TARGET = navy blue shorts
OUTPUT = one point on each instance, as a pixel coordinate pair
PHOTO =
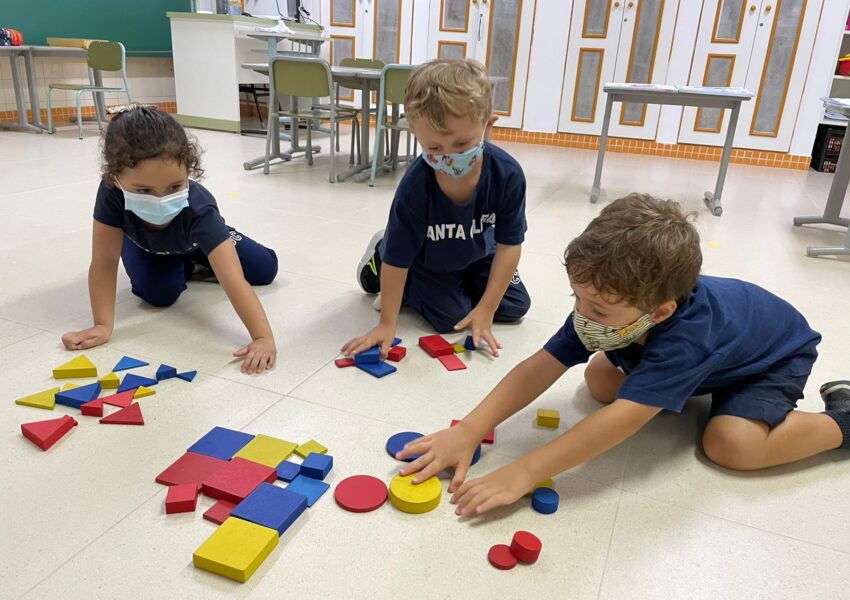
(766, 397)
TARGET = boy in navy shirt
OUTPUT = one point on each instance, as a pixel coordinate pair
(660, 333)
(453, 239)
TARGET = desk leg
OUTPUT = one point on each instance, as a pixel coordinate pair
(19, 98)
(603, 140)
(832, 211)
(712, 200)
(32, 85)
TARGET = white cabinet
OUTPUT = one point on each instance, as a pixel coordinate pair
(615, 40)
(764, 46)
(496, 33)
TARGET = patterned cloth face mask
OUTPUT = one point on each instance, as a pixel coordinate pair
(154, 209)
(596, 336)
(455, 165)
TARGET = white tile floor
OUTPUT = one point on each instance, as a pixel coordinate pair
(651, 519)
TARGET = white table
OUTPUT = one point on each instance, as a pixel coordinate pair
(706, 97)
(837, 191)
(341, 74)
(29, 54)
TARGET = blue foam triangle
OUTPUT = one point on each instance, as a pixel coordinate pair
(132, 381)
(76, 397)
(129, 363)
(187, 376)
(165, 372)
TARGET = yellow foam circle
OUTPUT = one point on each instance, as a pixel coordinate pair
(415, 499)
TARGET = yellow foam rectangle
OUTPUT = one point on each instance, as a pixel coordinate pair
(45, 399)
(312, 446)
(548, 417)
(110, 382)
(236, 549)
(267, 450)
(77, 367)
(459, 348)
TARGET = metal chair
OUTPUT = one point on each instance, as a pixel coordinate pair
(391, 89)
(305, 77)
(102, 56)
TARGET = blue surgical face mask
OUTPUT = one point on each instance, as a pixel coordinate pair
(154, 209)
(455, 165)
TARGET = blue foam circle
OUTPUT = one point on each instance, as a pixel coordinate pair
(545, 500)
(397, 442)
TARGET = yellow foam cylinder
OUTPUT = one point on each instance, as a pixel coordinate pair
(415, 499)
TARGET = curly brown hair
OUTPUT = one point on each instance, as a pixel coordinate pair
(141, 133)
(640, 249)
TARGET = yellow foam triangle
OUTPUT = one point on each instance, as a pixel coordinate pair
(110, 382)
(70, 386)
(142, 391)
(77, 367)
(45, 399)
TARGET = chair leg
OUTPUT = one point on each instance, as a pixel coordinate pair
(354, 125)
(310, 141)
(49, 112)
(334, 129)
(79, 114)
(377, 153)
(396, 137)
(257, 103)
(270, 131)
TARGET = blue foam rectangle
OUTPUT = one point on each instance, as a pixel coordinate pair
(271, 506)
(312, 489)
(317, 466)
(379, 369)
(370, 356)
(221, 442)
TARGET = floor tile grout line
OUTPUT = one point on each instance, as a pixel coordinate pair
(610, 545)
(735, 522)
(23, 339)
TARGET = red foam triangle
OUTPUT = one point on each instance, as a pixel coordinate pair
(93, 408)
(132, 415)
(46, 433)
(121, 400)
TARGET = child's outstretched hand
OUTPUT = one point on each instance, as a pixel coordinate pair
(382, 336)
(451, 447)
(499, 488)
(87, 338)
(480, 320)
(259, 355)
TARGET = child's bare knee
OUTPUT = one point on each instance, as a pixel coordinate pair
(603, 379)
(731, 449)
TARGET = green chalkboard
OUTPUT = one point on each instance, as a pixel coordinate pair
(141, 25)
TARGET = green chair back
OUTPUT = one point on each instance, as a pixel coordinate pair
(396, 78)
(303, 78)
(106, 56)
(363, 63)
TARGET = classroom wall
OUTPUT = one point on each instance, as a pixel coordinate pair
(151, 80)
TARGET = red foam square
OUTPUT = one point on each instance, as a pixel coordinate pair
(237, 479)
(219, 511)
(190, 468)
(181, 498)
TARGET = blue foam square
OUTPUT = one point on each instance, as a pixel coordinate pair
(378, 370)
(317, 466)
(312, 489)
(271, 506)
(220, 442)
(287, 471)
(370, 356)
(469, 343)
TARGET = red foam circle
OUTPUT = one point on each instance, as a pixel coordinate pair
(526, 546)
(361, 493)
(500, 557)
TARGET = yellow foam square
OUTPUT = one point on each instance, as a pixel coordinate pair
(110, 382)
(312, 446)
(459, 348)
(76, 367)
(547, 483)
(236, 549)
(45, 399)
(142, 391)
(548, 417)
(267, 450)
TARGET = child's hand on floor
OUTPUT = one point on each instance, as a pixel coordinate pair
(451, 447)
(480, 320)
(259, 355)
(87, 338)
(499, 488)
(382, 336)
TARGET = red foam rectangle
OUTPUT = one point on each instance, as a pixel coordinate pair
(397, 353)
(218, 512)
(436, 346)
(181, 498)
(237, 479)
(344, 362)
(190, 468)
(488, 439)
(452, 362)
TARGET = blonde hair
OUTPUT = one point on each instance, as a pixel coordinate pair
(441, 87)
(639, 249)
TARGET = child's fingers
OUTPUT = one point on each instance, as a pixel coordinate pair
(491, 341)
(462, 324)
(431, 469)
(89, 343)
(350, 345)
(468, 485)
(242, 351)
(417, 446)
(246, 364)
(459, 476)
(491, 503)
(473, 500)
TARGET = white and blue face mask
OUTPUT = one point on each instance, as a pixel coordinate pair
(156, 210)
(457, 164)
